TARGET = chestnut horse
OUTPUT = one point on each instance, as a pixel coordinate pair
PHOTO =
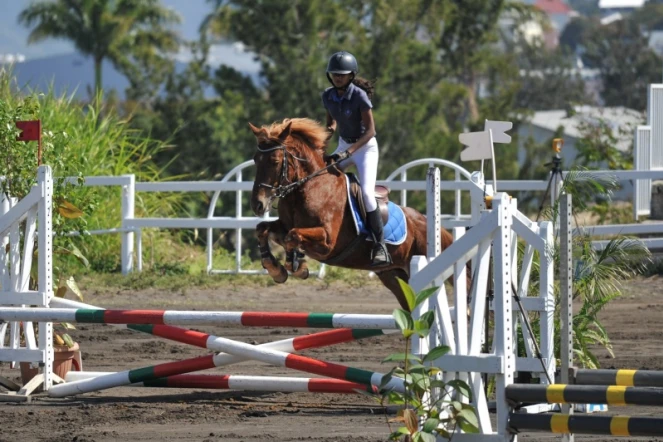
(314, 217)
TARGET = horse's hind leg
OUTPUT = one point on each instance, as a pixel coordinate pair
(267, 259)
(388, 278)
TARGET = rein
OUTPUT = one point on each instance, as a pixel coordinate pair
(283, 190)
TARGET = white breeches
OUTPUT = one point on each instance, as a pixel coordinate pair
(366, 160)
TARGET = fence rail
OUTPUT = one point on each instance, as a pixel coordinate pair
(130, 227)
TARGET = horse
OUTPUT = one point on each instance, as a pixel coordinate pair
(314, 218)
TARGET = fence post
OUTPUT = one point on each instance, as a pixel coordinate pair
(45, 266)
(128, 209)
(502, 339)
(566, 298)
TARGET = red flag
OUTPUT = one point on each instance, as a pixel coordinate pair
(31, 130)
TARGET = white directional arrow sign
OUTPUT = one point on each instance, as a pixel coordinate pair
(499, 128)
(479, 146)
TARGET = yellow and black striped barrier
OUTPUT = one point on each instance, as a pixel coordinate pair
(626, 378)
(580, 424)
(587, 394)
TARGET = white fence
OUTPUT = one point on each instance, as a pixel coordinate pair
(130, 227)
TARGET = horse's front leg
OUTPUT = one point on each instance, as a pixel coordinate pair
(307, 239)
(267, 259)
(296, 264)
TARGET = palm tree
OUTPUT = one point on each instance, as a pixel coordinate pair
(597, 275)
(121, 31)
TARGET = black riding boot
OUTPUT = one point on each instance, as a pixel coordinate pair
(380, 254)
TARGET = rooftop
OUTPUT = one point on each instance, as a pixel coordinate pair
(623, 121)
(553, 6)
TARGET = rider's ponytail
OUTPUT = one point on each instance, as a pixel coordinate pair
(366, 85)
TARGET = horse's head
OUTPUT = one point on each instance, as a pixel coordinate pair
(286, 153)
(271, 167)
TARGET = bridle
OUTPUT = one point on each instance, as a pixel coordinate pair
(284, 186)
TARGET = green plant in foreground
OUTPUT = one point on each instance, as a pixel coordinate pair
(431, 406)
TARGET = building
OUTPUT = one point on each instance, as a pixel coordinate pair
(559, 14)
(656, 42)
(544, 124)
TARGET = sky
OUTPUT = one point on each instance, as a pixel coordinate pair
(13, 36)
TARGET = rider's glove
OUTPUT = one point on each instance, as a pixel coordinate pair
(340, 156)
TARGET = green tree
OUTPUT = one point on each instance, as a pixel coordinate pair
(585, 7)
(292, 41)
(203, 115)
(416, 106)
(576, 32)
(412, 49)
(650, 16)
(548, 79)
(129, 33)
(468, 41)
(627, 65)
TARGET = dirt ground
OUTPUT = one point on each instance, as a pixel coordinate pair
(634, 322)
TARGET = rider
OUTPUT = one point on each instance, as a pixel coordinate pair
(348, 105)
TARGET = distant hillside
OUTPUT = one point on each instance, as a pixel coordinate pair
(73, 73)
(68, 73)
(14, 36)
(55, 61)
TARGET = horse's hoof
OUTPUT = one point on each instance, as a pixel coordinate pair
(302, 272)
(281, 277)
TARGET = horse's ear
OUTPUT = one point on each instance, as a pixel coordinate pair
(254, 129)
(285, 132)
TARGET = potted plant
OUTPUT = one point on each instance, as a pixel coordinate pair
(66, 356)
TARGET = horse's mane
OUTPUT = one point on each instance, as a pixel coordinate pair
(310, 132)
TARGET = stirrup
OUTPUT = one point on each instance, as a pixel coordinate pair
(381, 257)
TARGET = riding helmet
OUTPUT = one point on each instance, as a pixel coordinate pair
(342, 63)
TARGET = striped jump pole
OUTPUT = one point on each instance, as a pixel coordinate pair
(240, 382)
(248, 351)
(211, 342)
(573, 394)
(627, 378)
(176, 317)
(204, 340)
(567, 424)
(290, 345)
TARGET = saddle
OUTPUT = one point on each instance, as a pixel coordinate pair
(381, 195)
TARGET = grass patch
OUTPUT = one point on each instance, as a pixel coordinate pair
(180, 267)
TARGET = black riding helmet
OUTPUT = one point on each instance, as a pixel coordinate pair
(342, 63)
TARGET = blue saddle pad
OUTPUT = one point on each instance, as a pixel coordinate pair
(395, 230)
